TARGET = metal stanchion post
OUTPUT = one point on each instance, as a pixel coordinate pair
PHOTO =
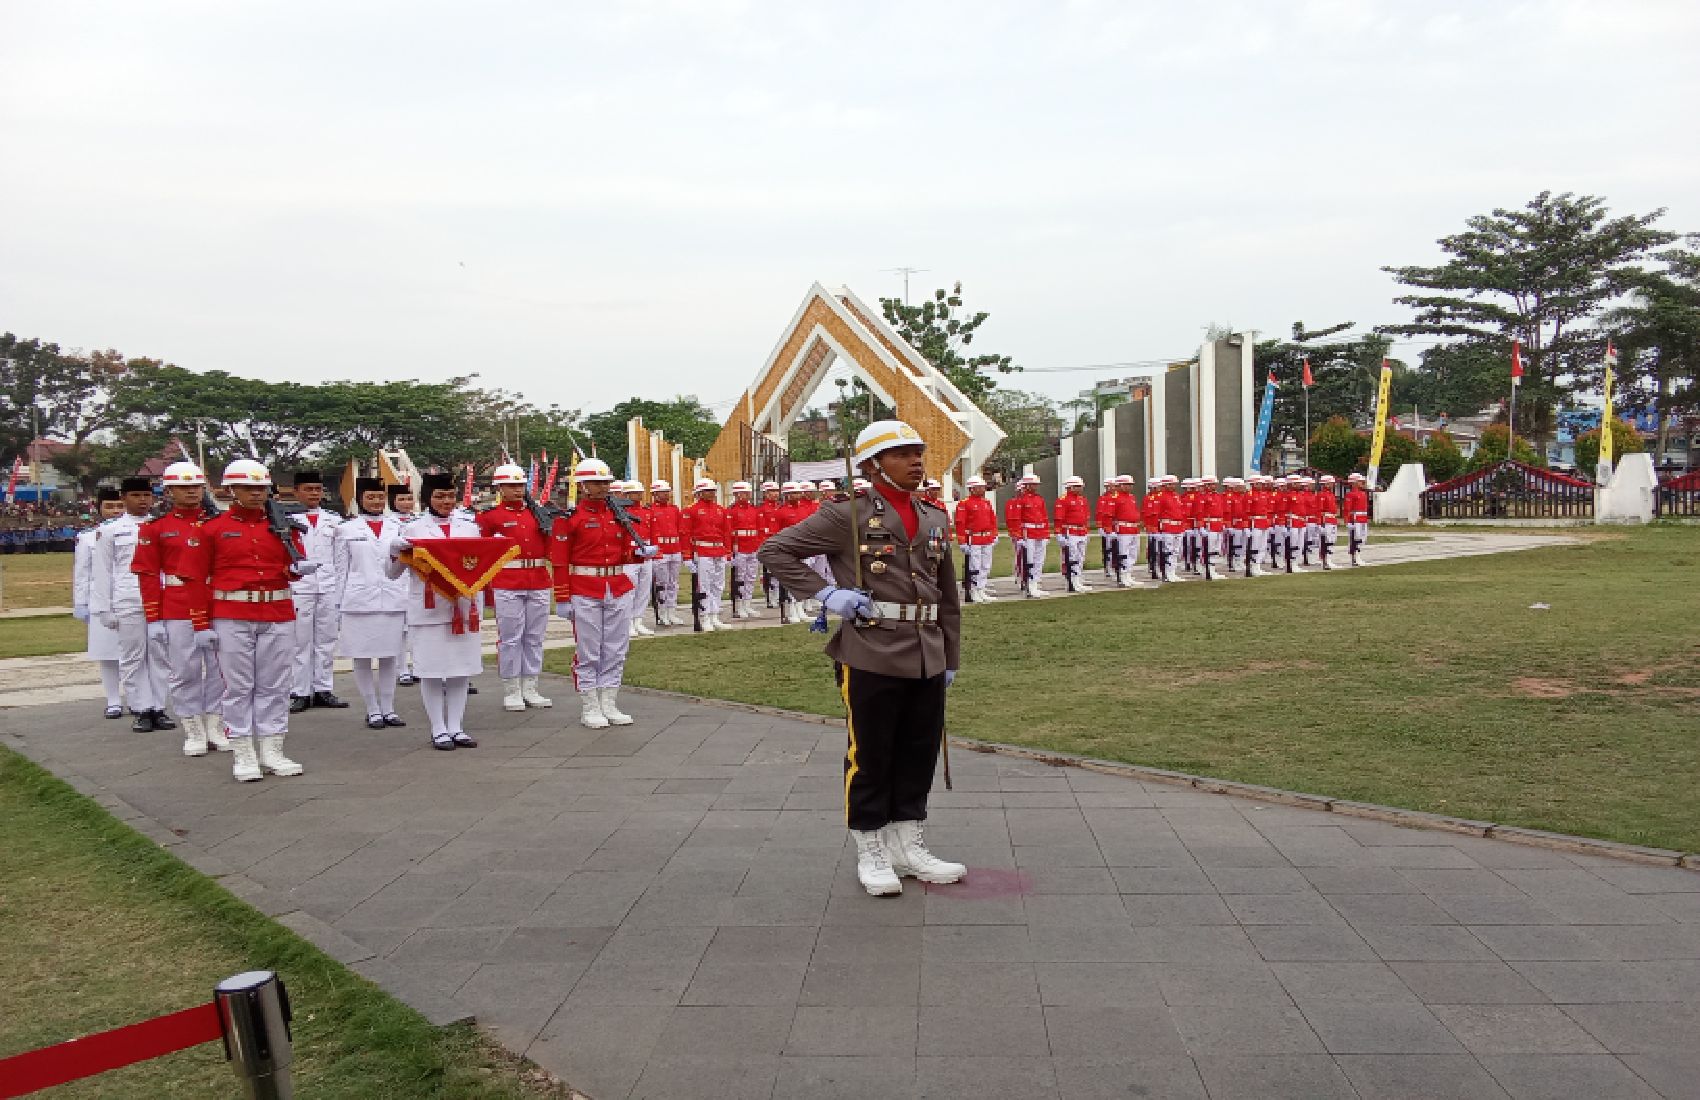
(254, 1010)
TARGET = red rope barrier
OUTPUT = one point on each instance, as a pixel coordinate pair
(108, 1050)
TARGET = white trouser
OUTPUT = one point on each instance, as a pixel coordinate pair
(980, 561)
(1327, 535)
(1076, 547)
(1122, 550)
(711, 581)
(1277, 541)
(745, 571)
(667, 580)
(1034, 552)
(602, 632)
(522, 617)
(196, 685)
(315, 627)
(642, 576)
(1358, 533)
(256, 659)
(1209, 544)
(141, 663)
(820, 565)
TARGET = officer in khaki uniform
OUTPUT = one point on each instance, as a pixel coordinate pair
(896, 651)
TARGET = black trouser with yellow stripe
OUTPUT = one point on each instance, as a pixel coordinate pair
(895, 727)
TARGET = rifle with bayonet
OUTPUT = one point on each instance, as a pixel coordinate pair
(281, 524)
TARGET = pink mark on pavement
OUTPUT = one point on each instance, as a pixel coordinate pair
(984, 883)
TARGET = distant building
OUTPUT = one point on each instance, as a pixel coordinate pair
(1126, 389)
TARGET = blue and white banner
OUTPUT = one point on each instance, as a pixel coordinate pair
(1265, 416)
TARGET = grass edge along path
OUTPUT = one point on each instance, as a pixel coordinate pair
(106, 928)
(1432, 686)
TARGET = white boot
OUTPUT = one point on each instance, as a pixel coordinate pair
(718, 624)
(986, 593)
(214, 725)
(614, 715)
(591, 717)
(1080, 583)
(909, 855)
(530, 696)
(1035, 591)
(245, 761)
(708, 624)
(270, 751)
(194, 735)
(640, 629)
(873, 867)
(513, 694)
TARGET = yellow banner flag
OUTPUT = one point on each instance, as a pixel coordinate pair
(1380, 438)
(1607, 443)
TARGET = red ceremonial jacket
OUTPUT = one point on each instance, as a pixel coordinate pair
(1207, 511)
(589, 550)
(1357, 506)
(240, 553)
(1123, 518)
(515, 521)
(976, 521)
(1174, 512)
(666, 526)
(770, 522)
(1073, 513)
(748, 527)
(708, 531)
(1025, 516)
(167, 559)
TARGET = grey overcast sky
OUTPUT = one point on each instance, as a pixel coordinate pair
(585, 202)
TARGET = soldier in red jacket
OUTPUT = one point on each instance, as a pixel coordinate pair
(1357, 517)
(708, 547)
(977, 532)
(244, 570)
(520, 591)
(589, 551)
(1327, 519)
(666, 528)
(1029, 526)
(173, 597)
(1073, 517)
(1257, 524)
(1177, 517)
(1210, 523)
(1234, 516)
(1123, 530)
(748, 532)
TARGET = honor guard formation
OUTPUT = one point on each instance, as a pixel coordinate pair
(234, 618)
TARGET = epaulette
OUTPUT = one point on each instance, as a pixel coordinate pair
(937, 505)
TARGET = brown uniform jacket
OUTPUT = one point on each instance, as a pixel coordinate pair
(894, 569)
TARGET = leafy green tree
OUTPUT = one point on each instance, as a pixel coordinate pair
(1625, 440)
(942, 330)
(1441, 458)
(1396, 450)
(1346, 374)
(1542, 274)
(1337, 447)
(1031, 425)
(684, 419)
(1658, 337)
(1490, 449)
(66, 395)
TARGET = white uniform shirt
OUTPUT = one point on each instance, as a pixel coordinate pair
(318, 542)
(82, 567)
(442, 611)
(112, 587)
(363, 581)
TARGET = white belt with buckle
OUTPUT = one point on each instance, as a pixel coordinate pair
(745, 534)
(527, 563)
(907, 612)
(598, 570)
(172, 582)
(245, 596)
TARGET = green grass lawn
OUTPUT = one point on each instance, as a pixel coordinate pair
(39, 636)
(35, 580)
(104, 928)
(1431, 685)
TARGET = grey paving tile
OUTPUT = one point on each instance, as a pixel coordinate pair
(1249, 983)
(959, 1077)
(1675, 1075)
(601, 1049)
(1515, 1029)
(1335, 983)
(1380, 1029)
(1259, 880)
(1071, 880)
(1443, 881)
(970, 943)
(1182, 909)
(1385, 909)
(859, 984)
(1515, 943)
(1614, 908)
(1101, 1032)
(1243, 1029)
(1074, 909)
(1116, 1078)
(669, 1077)
(1186, 879)
(1490, 982)
(1566, 1077)
(1307, 908)
(1102, 985)
(999, 984)
(846, 1077)
(983, 1031)
(1424, 942)
(1299, 943)
(854, 1031)
(1419, 1077)
(1640, 1028)
(1599, 982)
(1358, 880)
(1470, 909)
(1274, 1077)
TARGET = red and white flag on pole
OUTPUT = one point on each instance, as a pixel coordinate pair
(1516, 361)
(12, 482)
(1307, 378)
(466, 497)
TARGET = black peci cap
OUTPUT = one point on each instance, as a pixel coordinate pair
(308, 477)
(135, 485)
(102, 495)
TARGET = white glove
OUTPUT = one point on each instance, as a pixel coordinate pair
(949, 677)
(156, 632)
(107, 620)
(80, 613)
(307, 568)
(845, 602)
(206, 639)
(398, 545)
(564, 609)
(645, 552)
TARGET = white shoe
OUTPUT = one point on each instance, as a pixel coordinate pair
(246, 761)
(641, 630)
(614, 715)
(530, 696)
(708, 624)
(718, 624)
(213, 724)
(513, 696)
(1035, 591)
(873, 867)
(194, 735)
(909, 855)
(986, 594)
(591, 717)
(270, 752)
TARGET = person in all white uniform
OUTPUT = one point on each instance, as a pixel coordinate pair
(316, 618)
(402, 508)
(373, 604)
(115, 601)
(103, 643)
(444, 658)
